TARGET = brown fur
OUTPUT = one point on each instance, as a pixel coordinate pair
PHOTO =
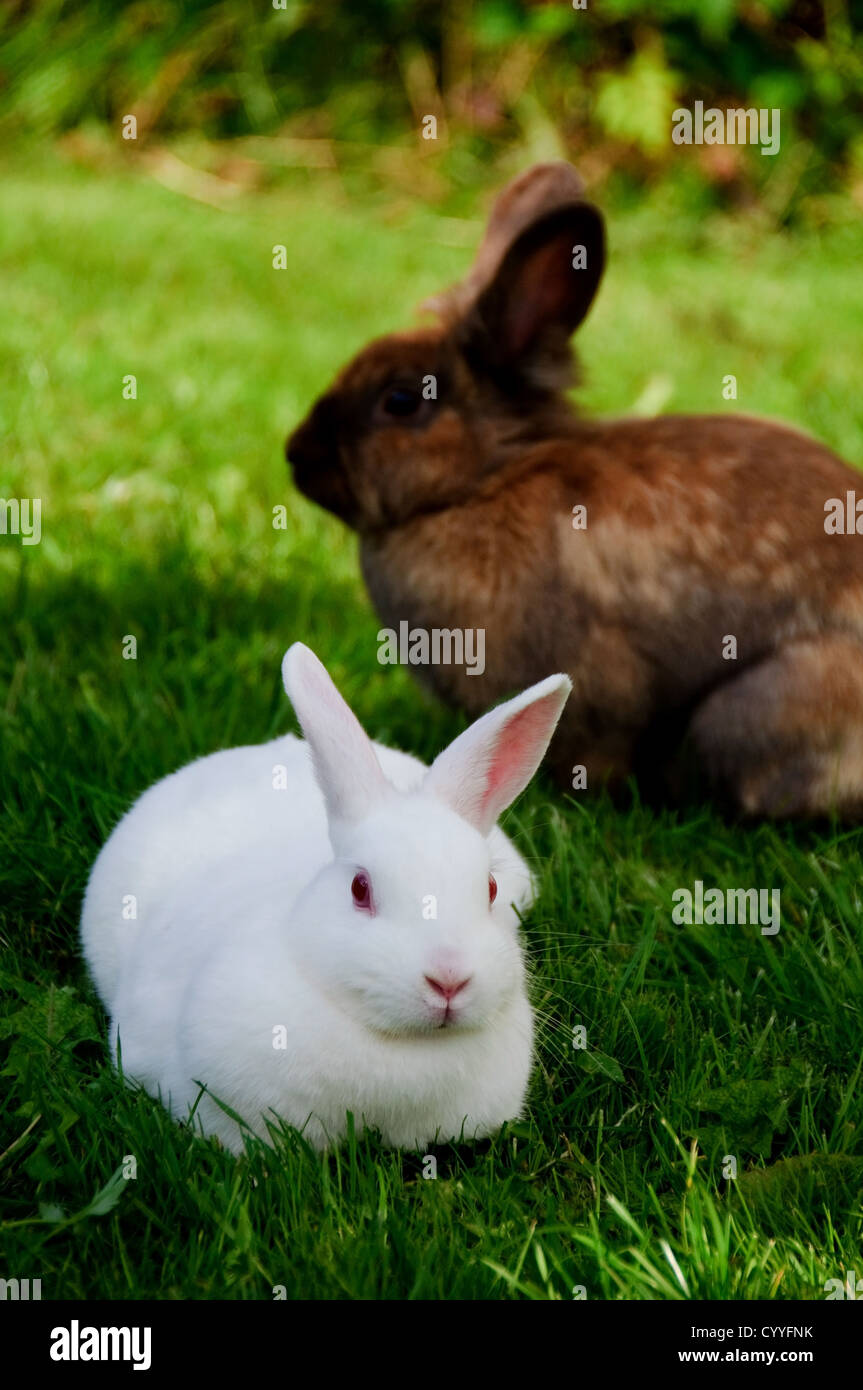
(698, 527)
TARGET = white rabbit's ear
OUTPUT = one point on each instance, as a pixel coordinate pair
(345, 763)
(487, 766)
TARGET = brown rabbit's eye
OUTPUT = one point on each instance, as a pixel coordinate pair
(492, 889)
(401, 401)
(361, 891)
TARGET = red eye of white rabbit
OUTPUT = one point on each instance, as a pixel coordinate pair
(361, 891)
(492, 889)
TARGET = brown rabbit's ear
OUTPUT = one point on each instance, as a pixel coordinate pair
(525, 199)
(542, 289)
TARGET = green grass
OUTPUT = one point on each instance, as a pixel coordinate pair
(157, 522)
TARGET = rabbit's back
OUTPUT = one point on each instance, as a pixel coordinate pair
(216, 811)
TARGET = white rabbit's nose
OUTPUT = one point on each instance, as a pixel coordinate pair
(448, 986)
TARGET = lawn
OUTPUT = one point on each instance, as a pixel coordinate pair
(702, 1042)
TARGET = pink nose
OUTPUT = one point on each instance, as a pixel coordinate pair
(448, 987)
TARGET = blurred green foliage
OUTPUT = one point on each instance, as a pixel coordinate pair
(598, 83)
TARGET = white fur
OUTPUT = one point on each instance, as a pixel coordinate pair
(246, 932)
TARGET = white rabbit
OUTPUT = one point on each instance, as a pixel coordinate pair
(314, 928)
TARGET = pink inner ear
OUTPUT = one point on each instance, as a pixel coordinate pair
(541, 296)
(515, 755)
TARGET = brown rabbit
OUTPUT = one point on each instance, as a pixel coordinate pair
(699, 529)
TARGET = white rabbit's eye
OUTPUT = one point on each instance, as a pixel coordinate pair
(492, 889)
(361, 892)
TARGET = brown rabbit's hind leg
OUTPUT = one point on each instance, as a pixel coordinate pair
(784, 738)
